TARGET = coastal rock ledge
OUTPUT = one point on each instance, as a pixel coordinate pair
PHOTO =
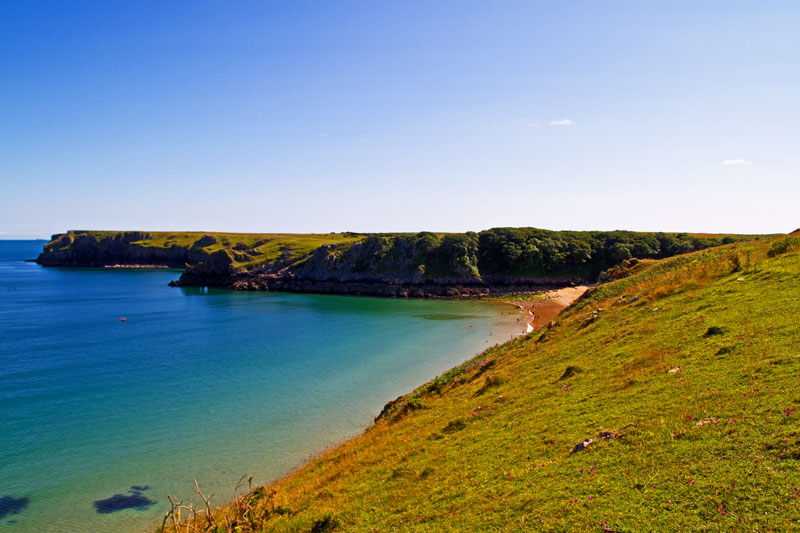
(288, 282)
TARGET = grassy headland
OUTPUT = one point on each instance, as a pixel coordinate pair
(686, 375)
(249, 251)
(498, 254)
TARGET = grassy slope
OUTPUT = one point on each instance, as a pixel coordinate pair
(490, 450)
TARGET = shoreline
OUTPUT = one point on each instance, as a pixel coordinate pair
(541, 310)
(448, 288)
(542, 307)
(505, 329)
(453, 340)
(136, 266)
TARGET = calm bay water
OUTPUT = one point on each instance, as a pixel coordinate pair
(194, 384)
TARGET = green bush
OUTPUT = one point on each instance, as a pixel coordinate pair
(783, 246)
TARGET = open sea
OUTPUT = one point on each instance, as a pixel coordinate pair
(101, 419)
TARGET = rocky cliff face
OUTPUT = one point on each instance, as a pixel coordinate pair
(78, 249)
(397, 267)
(329, 277)
(402, 261)
(358, 262)
(289, 282)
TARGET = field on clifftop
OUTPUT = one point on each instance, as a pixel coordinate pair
(691, 365)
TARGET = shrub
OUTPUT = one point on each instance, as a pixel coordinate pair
(785, 245)
(491, 381)
(713, 330)
(454, 425)
(325, 523)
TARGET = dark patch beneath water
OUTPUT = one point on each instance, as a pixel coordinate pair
(118, 502)
(10, 505)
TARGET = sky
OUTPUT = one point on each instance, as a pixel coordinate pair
(399, 116)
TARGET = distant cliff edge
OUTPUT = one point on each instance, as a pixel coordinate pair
(425, 264)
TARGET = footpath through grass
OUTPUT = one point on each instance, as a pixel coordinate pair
(693, 365)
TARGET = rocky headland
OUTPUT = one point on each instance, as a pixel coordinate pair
(124, 249)
(468, 265)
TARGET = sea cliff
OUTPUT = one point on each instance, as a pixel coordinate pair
(120, 249)
(425, 264)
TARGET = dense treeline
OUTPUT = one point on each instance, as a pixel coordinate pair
(519, 252)
(537, 252)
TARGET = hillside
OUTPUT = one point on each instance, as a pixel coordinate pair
(686, 375)
(498, 260)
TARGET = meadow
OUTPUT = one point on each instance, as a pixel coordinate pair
(685, 375)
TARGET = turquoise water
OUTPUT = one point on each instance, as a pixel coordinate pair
(194, 384)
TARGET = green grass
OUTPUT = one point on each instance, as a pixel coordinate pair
(712, 446)
(249, 250)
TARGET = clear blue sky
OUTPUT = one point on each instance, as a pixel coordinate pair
(389, 116)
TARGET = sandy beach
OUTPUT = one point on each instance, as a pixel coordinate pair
(547, 305)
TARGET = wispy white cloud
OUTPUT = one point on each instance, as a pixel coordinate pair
(561, 122)
(738, 161)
